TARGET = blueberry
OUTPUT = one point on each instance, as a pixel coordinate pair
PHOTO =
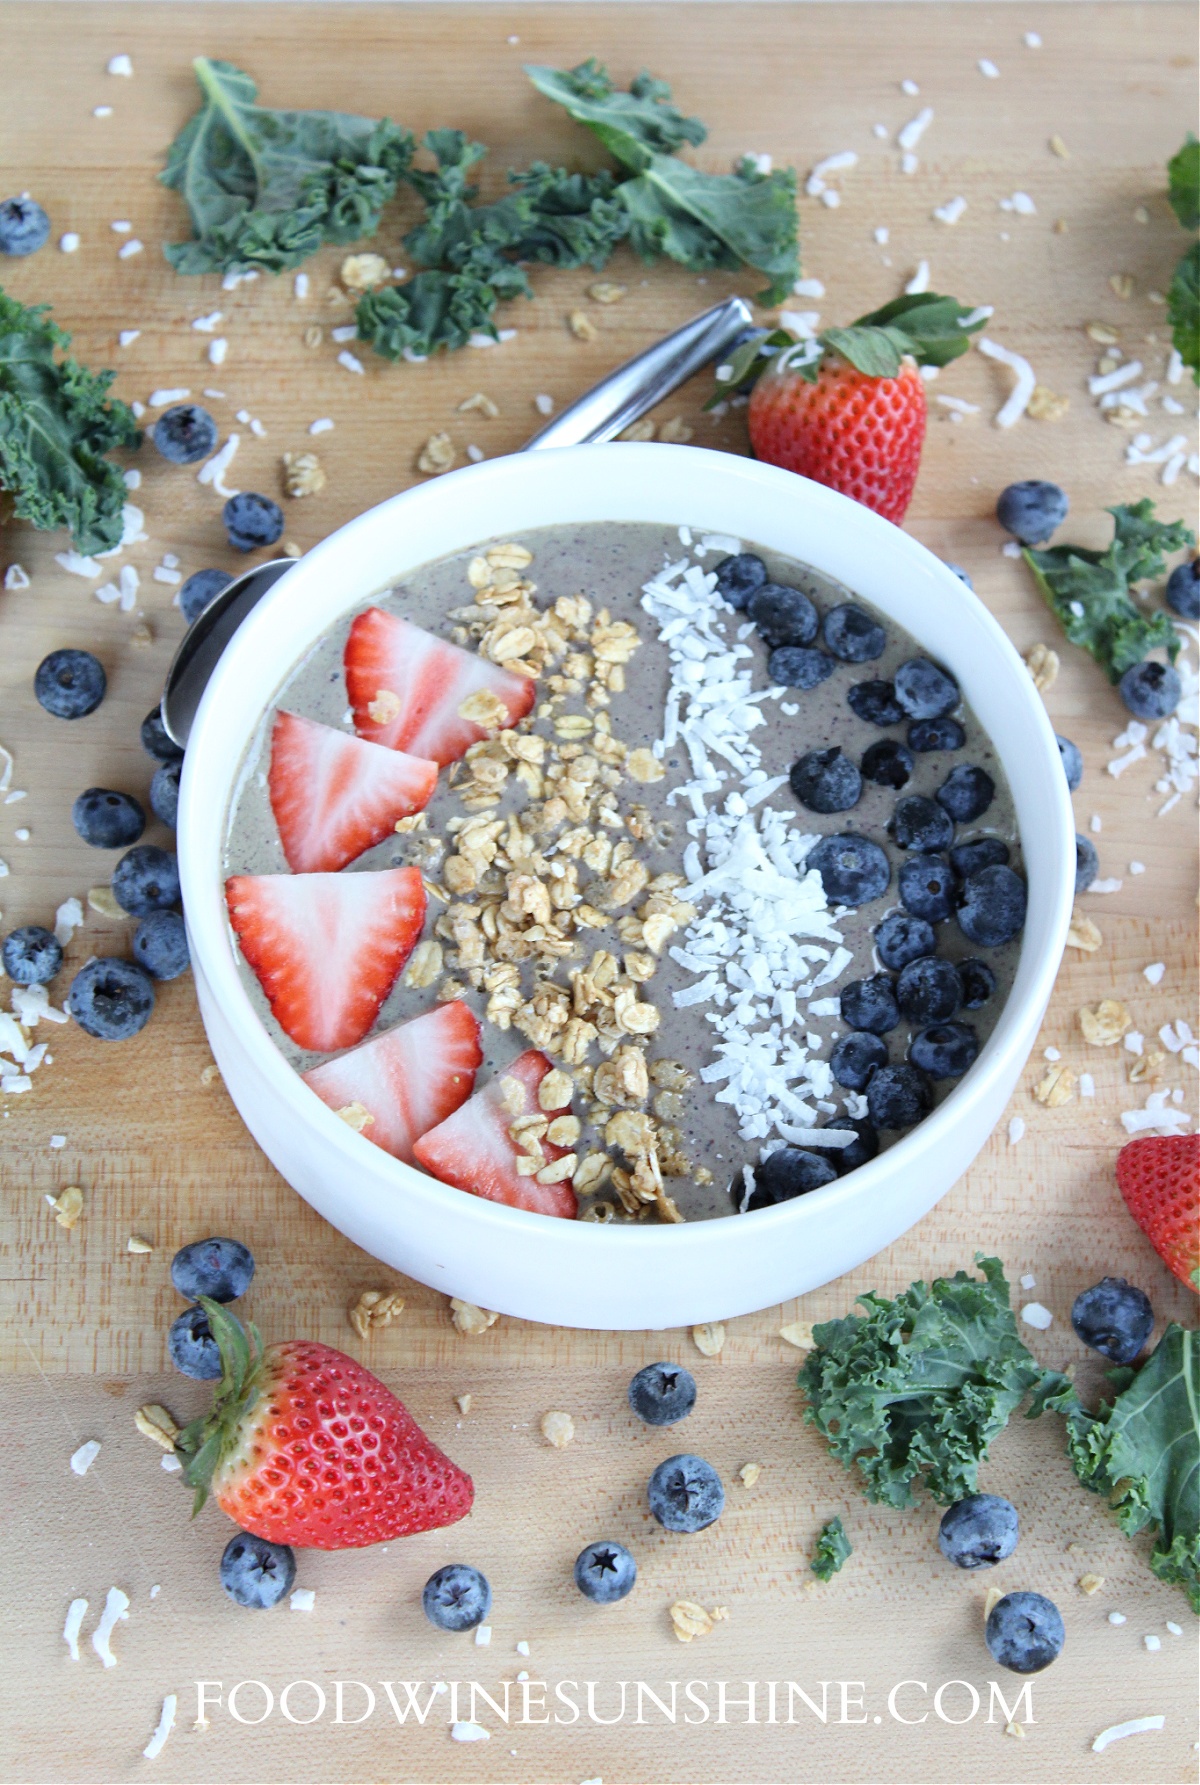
(876, 703)
(853, 870)
(921, 824)
(856, 1057)
(979, 1531)
(783, 616)
(108, 820)
(605, 1572)
(1087, 863)
(164, 792)
(1183, 590)
(1072, 761)
(936, 734)
(200, 588)
(24, 226)
(456, 1597)
(251, 521)
(1114, 1318)
(888, 764)
(863, 1148)
(871, 1004)
(194, 1351)
(185, 434)
(966, 793)
(929, 990)
(111, 999)
(1024, 1632)
(160, 944)
(979, 852)
(156, 742)
(991, 907)
(662, 1394)
(1151, 690)
(958, 571)
(945, 1050)
(925, 690)
(32, 955)
(796, 666)
(898, 1097)
(927, 887)
(738, 577)
(218, 1268)
(782, 1175)
(256, 1573)
(853, 635)
(70, 684)
(978, 983)
(1031, 510)
(685, 1494)
(901, 939)
(146, 879)
(826, 781)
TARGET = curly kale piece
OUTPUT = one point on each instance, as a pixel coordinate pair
(832, 1550)
(633, 126)
(267, 188)
(1183, 298)
(56, 425)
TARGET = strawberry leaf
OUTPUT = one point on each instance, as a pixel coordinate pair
(202, 1443)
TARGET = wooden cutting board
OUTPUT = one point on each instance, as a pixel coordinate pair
(158, 1149)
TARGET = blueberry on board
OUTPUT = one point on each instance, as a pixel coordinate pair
(107, 820)
(853, 870)
(927, 887)
(111, 999)
(979, 1531)
(945, 1050)
(605, 1572)
(456, 1597)
(685, 1494)
(256, 1573)
(70, 684)
(662, 1394)
(887, 763)
(856, 1057)
(1183, 590)
(1031, 510)
(798, 666)
(902, 938)
(155, 739)
(978, 983)
(862, 1148)
(925, 690)
(876, 703)
(978, 852)
(146, 879)
(782, 615)
(1024, 1632)
(739, 576)
(1114, 1318)
(966, 793)
(925, 735)
(958, 571)
(871, 1004)
(160, 945)
(929, 990)
(826, 781)
(24, 226)
(218, 1268)
(782, 1175)
(194, 1351)
(1072, 761)
(164, 792)
(1150, 690)
(1087, 863)
(184, 433)
(32, 955)
(991, 906)
(898, 1097)
(921, 824)
(199, 589)
(251, 520)
(854, 635)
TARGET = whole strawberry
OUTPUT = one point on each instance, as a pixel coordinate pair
(304, 1446)
(1159, 1177)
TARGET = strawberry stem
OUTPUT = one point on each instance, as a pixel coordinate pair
(203, 1442)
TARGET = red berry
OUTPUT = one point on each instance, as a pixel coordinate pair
(1159, 1177)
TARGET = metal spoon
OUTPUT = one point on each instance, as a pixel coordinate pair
(606, 410)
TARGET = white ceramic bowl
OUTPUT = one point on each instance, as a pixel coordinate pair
(566, 1272)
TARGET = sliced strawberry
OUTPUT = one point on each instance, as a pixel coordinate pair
(474, 1150)
(408, 1079)
(334, 795)
(407, 688)
(326, 947)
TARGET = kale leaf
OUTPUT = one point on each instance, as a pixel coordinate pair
(1183, 174)
(1088, 591)
(913, 1391)
(267, 188)
(56, 425)
(1183, 298)
(833, 1548)
(633, 126)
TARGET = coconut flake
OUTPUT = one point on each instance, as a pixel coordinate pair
(76, 1612)
(85, 1456)
(166, 1724)
(116, 1608)
(1118, 1731)
(1023, 389)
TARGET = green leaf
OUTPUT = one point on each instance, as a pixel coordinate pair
(832, 1550)
(267, 188)
(1183, 175)
(205, 1440)
(57, 423)
(913, 1392)
(436, 309)
(1183, 309)
(706, 221)
(633, 126)
(933, 329)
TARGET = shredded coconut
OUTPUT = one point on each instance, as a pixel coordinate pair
(1035, 1315)
(303, 1599)
(166, 1723)
(213, 471)
(1118, 1731)
(85, 1456)
(76, 1612)
(469, 1732)
(919, 281)
(1022, 390)
(1157, 1117)
(951, 211)
(351, 363)
(1016, 1130)
(116, 1608)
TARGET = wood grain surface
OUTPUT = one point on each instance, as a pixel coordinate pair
(159, 1150)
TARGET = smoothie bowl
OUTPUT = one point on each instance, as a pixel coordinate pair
(624, 883)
